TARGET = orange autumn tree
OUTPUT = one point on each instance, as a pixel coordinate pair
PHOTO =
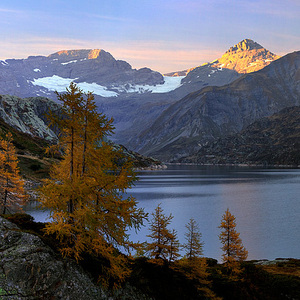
(86, 190)
(12, 195)
(234, 251)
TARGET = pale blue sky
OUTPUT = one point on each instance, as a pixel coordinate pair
(166, 36)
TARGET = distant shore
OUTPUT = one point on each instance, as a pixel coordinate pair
(239, 165)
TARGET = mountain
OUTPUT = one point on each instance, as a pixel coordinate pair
(273, 140)
(215, 111)
(134, 98)
(256, 58)
(245, 56)
(96, 70)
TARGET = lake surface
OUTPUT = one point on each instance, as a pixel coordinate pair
(265, 202)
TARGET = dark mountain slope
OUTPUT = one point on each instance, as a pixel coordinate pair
(273, 140)
(218, 111)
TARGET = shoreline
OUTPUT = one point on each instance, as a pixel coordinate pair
(238, 165)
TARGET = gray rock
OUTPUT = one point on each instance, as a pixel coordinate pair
(30, 270)
(28, 115)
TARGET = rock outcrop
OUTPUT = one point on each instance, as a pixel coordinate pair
(30, 270)
(28, 115)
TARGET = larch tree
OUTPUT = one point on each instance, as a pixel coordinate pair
(193, 265)
(193, 245)
(234, 251)
(162, 238)
(174, 247)
(12, 194)
(86, 192)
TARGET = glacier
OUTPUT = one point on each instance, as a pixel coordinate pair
(59, 84)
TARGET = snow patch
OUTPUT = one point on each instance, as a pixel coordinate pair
(4, 63)
(97, 89)
(69, 62)
(220, 68)
(170, 84)
(36, 70)
(59, 84)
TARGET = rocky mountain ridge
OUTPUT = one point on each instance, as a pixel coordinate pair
(256, 58)
(273, 140)
(213, 112)
(96, 68)
(134, 98)
(245, 57)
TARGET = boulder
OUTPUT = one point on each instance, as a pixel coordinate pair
(29, 269)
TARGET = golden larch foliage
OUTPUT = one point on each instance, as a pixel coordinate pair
(12, 194)
(164, 245)
(234, 251)
(86, 192)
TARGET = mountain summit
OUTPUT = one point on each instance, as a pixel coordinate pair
(81, 54)
(245, 45)
(245, 57)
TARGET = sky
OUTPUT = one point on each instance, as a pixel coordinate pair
(164, 35)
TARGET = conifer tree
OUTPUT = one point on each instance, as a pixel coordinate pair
(161, 236)
(234, 251)
(12, 195)
(193, 265)
(174, 247)
(86, 192)
(193, 245)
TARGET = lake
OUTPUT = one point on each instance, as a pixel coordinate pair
(265, 202)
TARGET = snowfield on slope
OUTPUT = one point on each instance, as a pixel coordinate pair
(59, 84)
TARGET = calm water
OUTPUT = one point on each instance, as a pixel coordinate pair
(265, 202)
